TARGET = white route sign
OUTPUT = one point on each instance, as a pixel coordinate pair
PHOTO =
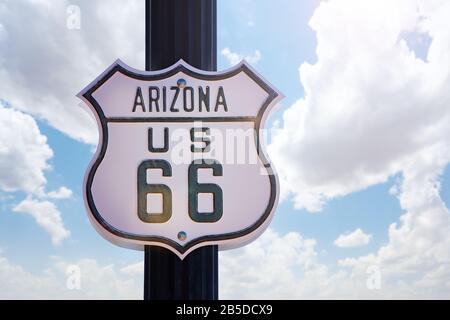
(180, 161)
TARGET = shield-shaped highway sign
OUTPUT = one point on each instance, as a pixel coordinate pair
(180, 161)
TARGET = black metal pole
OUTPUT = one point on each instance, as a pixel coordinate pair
(181, 29)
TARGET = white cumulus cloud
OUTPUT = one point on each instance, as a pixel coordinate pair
(47, 216)
(288, 266)
(373, 108)
(24, 153)
(370, 105)
(44, 64)
(24, 156)
(356, 238)
(417, 255)
(97, 281)
(133, 269)
(275, 266)
(61, 193)
(234, 57)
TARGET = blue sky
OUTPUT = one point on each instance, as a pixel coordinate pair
(277, 37)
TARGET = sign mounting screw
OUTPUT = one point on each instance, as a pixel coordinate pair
(182, 235)
(181, 83)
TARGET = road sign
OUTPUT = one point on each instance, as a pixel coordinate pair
(180, 161)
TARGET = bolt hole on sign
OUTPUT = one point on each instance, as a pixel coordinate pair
(180, 162)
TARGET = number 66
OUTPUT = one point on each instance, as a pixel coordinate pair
(195, 188)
